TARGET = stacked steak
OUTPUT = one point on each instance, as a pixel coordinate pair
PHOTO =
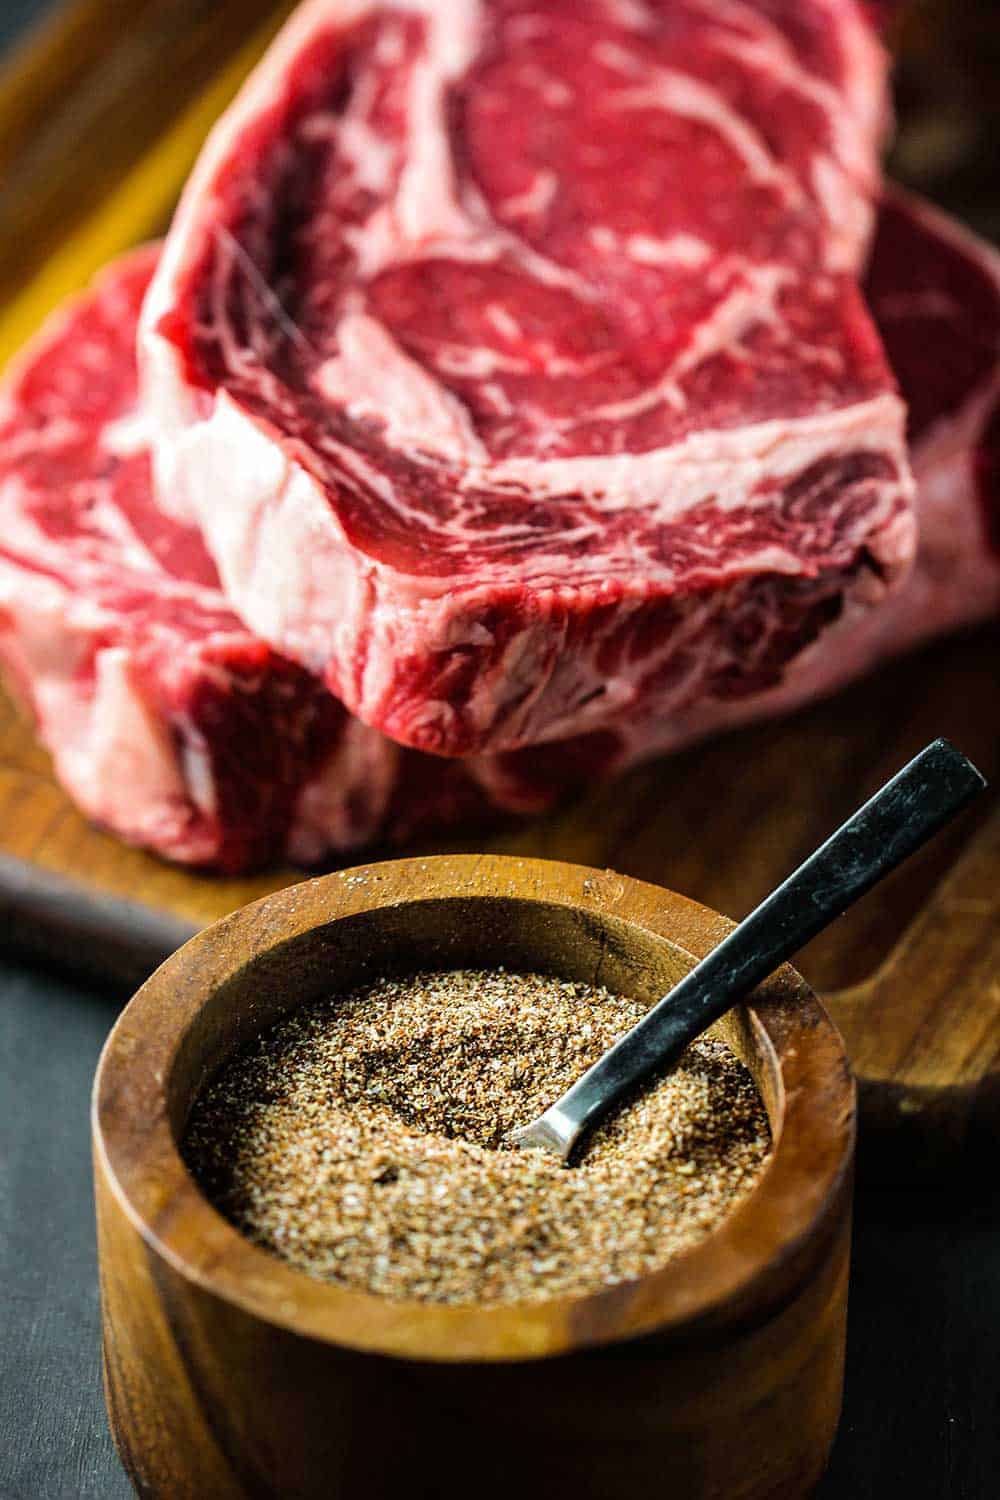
(529, 341)
(167, 720)
(505, 408)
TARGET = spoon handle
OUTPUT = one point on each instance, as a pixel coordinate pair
(910, 809)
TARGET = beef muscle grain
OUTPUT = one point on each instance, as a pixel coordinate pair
(934, 289)
(511, 359)
(172, 725)
(168, 722)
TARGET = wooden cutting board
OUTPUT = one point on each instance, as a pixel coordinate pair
(101, 116)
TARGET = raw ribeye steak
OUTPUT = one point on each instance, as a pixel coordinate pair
(167, 720)
(510, 357)
(934, 289)
(173, 726)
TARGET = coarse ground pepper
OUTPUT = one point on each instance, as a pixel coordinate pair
(366, 1140)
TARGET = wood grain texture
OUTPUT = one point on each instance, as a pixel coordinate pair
(96, 137)
(718, 1375)
(102, 115)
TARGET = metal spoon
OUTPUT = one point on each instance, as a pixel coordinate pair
(909, 810)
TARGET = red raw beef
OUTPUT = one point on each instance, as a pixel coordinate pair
(934, 289)
(172, 725)
(511, 359)
(168, 722)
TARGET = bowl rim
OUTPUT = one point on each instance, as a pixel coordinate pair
(750, 1262)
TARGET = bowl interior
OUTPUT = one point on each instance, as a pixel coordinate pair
(446, 933)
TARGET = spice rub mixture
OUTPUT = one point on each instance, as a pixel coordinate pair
(367, 1140)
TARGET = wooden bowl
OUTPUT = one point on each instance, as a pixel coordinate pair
(228, 1373)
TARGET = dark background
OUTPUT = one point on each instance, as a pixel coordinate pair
(14, 14)
(922, 1410)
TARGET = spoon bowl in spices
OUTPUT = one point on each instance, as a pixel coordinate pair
(917, 803)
